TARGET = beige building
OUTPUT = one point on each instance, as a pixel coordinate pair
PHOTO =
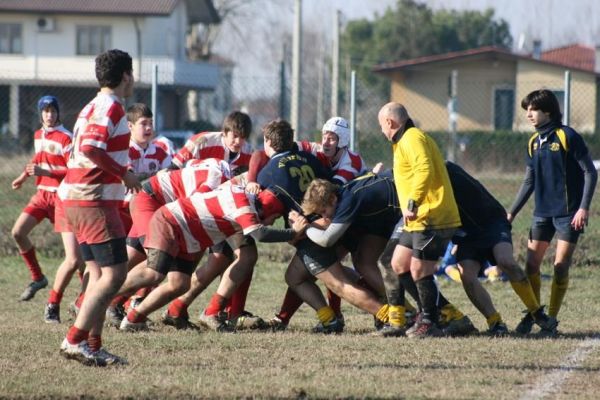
(490, 85)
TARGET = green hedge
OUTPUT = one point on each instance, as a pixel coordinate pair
(502, 151)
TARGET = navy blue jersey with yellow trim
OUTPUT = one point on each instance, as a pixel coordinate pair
(368, 200)
(288, 174)
(477, 207)
(558, 178)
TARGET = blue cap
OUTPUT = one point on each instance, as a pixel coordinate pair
(48, 101)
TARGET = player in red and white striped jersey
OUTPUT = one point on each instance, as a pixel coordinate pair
(145, 155)
(229, 145)
(198, 176)
(92, 192)
(168, 186)
(334, 153)
(145, 160)
(166, 144)
(180, 231)
(49, 165)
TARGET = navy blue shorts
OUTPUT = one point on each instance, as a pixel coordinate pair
(479, 246)
(104, 254)
(544, 228)
(315, 258)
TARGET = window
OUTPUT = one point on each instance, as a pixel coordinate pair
(504, 108)
(93, 40)
(11, 41)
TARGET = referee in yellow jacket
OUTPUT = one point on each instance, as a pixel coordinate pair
(430, 213)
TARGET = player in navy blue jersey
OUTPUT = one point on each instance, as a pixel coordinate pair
(561, 173)
(485, 235)
(288, 171)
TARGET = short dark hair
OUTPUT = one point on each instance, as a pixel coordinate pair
(239, 122)
(280, 133)
(137, 111)
(110, 67)
(545, 101)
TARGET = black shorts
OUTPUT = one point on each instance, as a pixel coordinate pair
(352, 236)
(315, 258)
(479, 246)
(136, 243)
(226, 247)
(164, 263)
(544, 228)
(427, 245)
(112, 252)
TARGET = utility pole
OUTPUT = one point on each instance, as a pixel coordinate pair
(335, 64)
(320, 87)
(296, 72)
(452, 114)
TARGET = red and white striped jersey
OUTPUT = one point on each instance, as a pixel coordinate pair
(211, 145)
(149, 160)
(166, 144)
(52, 150)
(349, 166)
(209, 218)
(196, 176)
(102, 124)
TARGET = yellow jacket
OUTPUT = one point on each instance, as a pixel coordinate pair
(420, 174)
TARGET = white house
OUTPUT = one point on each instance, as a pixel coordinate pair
(49, 46)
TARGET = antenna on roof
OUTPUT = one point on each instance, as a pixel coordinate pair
(521, 44)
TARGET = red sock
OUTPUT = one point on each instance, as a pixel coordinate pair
(238, 300)
(227, 306)
(95, 342)
(215, 305)
(178, 309)
(291, 304)
(134, 316)
(334, 302)
(76, 335)
(79, 299)
(54, 297)
(118, 300)
(143, 292)
(32, 264)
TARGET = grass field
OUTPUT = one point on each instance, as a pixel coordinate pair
(165, 363)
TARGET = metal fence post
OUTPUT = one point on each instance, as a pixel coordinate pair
(567, 99)
(296, 68)
(352, 110)
(155, 96)
(452, 114)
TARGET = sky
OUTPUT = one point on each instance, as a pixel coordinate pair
(555, 22)
(257, 49)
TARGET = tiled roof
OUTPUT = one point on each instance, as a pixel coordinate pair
(155, 7)
(201, 11)
(441, 57)
(575, 56)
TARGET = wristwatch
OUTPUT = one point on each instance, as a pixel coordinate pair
(412, 206)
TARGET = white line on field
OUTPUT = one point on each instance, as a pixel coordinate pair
(552, 382)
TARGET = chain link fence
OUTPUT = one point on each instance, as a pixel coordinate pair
(490, 140)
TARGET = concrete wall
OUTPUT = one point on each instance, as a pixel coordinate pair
(532, 75)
